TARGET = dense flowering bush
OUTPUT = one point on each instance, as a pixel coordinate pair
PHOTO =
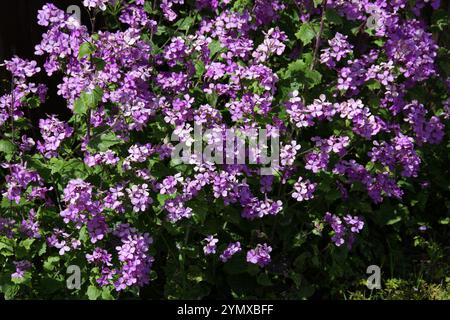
(355, 91)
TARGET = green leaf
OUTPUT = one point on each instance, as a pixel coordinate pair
(93, 293)
(99, 63)
(33, 102)
(294, 68)
(195, 274)
(212, 99)
(199, 69)
(214, 47)
(106, 294)
(306, 33)
(8, 148)
(317, 3)
(162, 198)
(86, 48)
(37, 162)
(24, 249)
(314, 77)
(333, 17)
(25, 279)
(148, 7)
(104, 142)
(6, 246)
(43, 249)
(51, 263)
(305, 291)
(26, 244)
(379, 42)
(88, 100)
(240, 5)
(79, 107)
(394, 220)
(68, 168)
(440, 20)
(184, 24)
(50, 285)
(11, 292)
(298, 71)
(373, 85)
(84, 235)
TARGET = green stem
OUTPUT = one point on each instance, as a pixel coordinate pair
(319, 35)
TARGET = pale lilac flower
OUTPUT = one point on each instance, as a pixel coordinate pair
(210, 247)
(260, 255)
(231, 250)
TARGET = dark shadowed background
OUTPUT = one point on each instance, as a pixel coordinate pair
(20, 33)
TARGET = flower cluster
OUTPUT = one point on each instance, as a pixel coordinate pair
(210, 247)
(231, 250)
(344, 229)
(134, 257)
(53, 132)
(21, 267)
(339, 48)
(19, 179)
(345, 105)
(62, 241)
(100, 4)
(303, 190)
(260, 255)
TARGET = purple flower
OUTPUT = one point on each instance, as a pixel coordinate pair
(137, 18)
(344, 231)
(140, 197)
(303, 190)
(100, 4)
(169, 184)
(21, 267)
(99, 256)
(354, 223)
(50, 14)
(22, 69)
(97, 228)
(232, 249)
(140, 153)
(176, 51)
(177, 210)
(256, 208)
(210, 246)
(114, 197)
(260, 255)
(6, 227)
(18, 180)
(53, 132)
(135, 260)
(272, 44)
(78, 191)
(288, 153)
(426, 131)
(266, 11)
(108, 157)
(339, 48)
(166, 6)
(338, 228)
(30, 226)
